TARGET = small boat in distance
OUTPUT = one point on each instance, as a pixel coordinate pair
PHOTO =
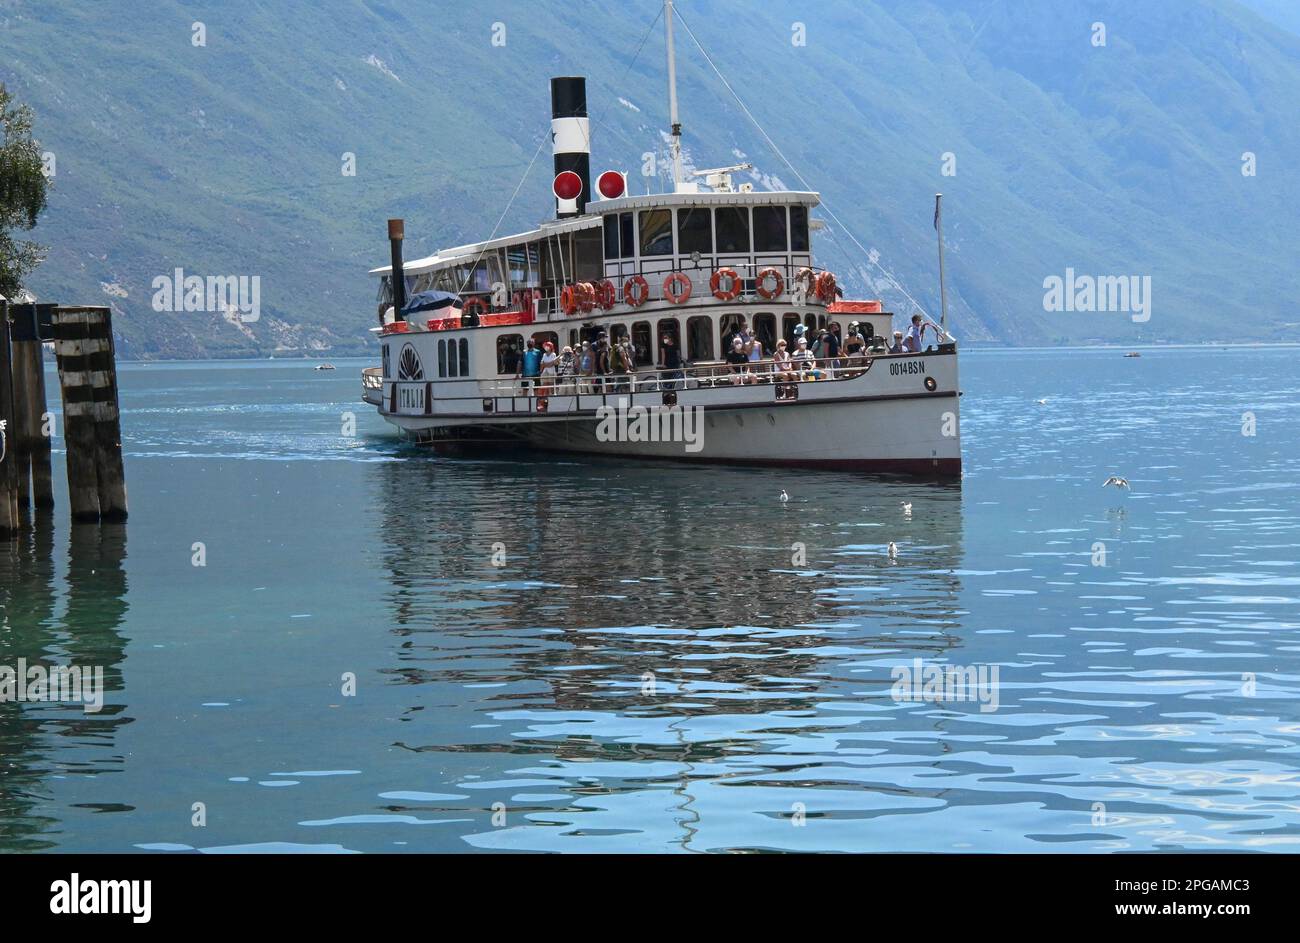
(692, 324)
(1133, 353)
(324, 366)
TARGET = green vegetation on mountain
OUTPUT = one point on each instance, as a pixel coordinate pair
(227, 158)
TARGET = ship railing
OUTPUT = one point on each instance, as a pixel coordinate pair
(655, 274)
(696, 375)
(372, 378)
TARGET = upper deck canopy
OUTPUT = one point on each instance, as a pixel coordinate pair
(458, 255)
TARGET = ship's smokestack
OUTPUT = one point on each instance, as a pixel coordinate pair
(571, 144)
(396, 232)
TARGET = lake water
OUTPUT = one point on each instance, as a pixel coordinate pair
(653, 668)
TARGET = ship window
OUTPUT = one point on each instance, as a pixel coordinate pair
(641, 341)
(452, 361)
(788, 323)
(695, 230)
(464, 356)
(798, 229)
(611, 236)
(386, 290)
(541, 337)
(668, 327)
(627, 236)
(386, 371)
(656, 232)
(517, 258)
(617, 333)
(765, 329)
(699, 334)
(733, 228)
(729, 326)
(810, 321)
(508, 348)
(769, 229)
(442, 358)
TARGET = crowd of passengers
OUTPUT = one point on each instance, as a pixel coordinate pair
(600, 365)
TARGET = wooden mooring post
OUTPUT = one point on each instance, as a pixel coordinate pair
(10, 519)
(31, 438)
(92, 430)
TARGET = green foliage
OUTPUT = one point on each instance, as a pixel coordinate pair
(22, 193)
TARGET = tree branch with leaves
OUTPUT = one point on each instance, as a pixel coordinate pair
(23, 189)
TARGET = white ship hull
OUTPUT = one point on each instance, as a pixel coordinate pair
(900, 414)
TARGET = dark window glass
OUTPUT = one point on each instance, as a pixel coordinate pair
(656, 232)
(641, 341)
(699, 333)
(451, 358)
(508, 348)
(765, 330)
(464, 357)
(442, 358)
(769, 229)
(611, 237)
(798, 229)
(788, 323)
(695, 230)
(627, 236)
(733, 228)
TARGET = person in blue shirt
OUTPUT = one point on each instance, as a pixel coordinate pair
(530, 365)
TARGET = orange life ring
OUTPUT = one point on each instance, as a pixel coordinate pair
(568, 300)
(826, 287)
(586, 293)
(477, 305)
(606, 294)
(642, 291)
(715, 284)
(775, 291)
(677, 287)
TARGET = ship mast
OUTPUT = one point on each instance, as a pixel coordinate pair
(672, 100)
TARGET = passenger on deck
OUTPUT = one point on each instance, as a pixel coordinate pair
(586, 368)
(897, 346)
(805, 362)
(549, 359)
(564, 370)
(530, 367)
(602, 360)
(830, 350)
(755, 353)
(739, 362)
(782, 365)
(912, 344)
(855, 347)
(620, 366)
(671, 362)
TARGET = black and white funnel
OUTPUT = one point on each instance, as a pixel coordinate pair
(571, 145)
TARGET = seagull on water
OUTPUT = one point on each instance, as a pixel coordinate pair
(1117, 481)
(907, 507)
(1041, 402)
(892, 550)
(784, 497)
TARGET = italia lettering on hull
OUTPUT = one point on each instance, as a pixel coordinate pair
(908, 366)
(410, 397)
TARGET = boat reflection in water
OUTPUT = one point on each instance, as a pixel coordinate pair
(596, 630)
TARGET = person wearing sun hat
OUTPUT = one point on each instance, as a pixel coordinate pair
(548, 368)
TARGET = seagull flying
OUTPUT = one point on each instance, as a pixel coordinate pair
(1041, 402)
(1117, 481)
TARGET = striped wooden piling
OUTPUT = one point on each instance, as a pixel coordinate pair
(83, 345)
(10, 520)
(30, 438)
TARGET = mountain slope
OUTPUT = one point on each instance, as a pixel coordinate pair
(225, 159)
